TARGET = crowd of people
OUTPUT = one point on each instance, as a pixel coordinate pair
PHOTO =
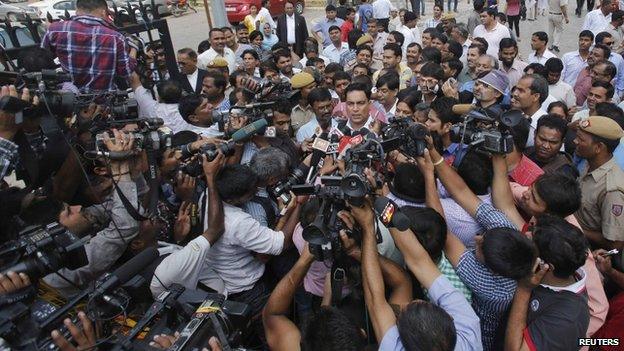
(514, 250)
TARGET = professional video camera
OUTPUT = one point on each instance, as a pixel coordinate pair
(45, 85)
(354, 184)
(487, 130)
(150, 135)
(40, 250)
(282, 188)
(194, 166)
(405, 135)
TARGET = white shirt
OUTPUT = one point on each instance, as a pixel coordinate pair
(534, 118)
(333, 53)
(232, 256)
(573, 64)
(304, 60)
(311, 128)
(563, 92)
(409, 38)
(492, 37)
(381, 9)
(192, 78)
(596, 21)
(533, 58)
(465, 46)
(416, 34)
(204, 59)
(264, 16)
(290, 29)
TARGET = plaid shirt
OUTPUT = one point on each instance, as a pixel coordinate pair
(526, 172)
(448, 271)
(491, 294)
(431, 23)
(91, 50)
(8, 157)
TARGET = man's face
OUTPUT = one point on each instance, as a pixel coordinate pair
(486, 19)
(403, 110)
(203, 113)
(437, 43)
(508, 55)
(428, 85)
(372, 29)
(536, 43)
(585, 145)
(186, 64)
(330, 15)
(289, 9)
(328, 78)
(485, 93)
(364, 56)
(434, 124)
(249, 61)
(230, 38)
(584, 43)
(323, 111)
(484, 64)
(284, 65)
(595, 56)
(471, 57)
(548, 141)
(553, 77)
(390, 60)
(73, 219)
(359, 71)
(456, 35)
(281, 122)
(522, 98)
(243, 36)
(340, 87)
(437, 12)
(271, 76)
(306, 90)
(447, 70)
(412, 55)
(426, 40)
(598, 73)
(217, 40)
(357, 107)
(390, 39)
(320, 66)
(209, 89)
(386, 95)
(532, 203)
(595, 96)
(334, 36)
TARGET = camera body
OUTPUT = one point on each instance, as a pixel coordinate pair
(151, 134)
(283, 187)
(40, 250)
(194, 167)
(487, 130)
(405, 135)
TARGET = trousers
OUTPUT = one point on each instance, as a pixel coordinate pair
(555, 28)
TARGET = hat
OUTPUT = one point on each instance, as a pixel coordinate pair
(217, 62)
(497, 79)
(603, 127)
(366, 38)
(409, 16)
(447, 16)
(301, 79)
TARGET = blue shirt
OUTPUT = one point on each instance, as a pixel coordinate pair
(365, 12)
(323, 26)
(618, 155)
(443, 294)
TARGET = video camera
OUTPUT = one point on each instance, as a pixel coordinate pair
(150, 135)
(41, 250)
(405, 135)
(45, 85)
(487, 130)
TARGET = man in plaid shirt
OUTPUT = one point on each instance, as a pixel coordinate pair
(90, 48)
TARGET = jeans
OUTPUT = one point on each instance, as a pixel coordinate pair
(416, 4)
(579, 6)
(514, 21)
(448, 7)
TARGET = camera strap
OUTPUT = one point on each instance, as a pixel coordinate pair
(129, 207)
(338, 276)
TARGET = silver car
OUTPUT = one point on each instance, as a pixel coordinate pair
(16, 10)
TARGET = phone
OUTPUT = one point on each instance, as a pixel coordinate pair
(611, 252)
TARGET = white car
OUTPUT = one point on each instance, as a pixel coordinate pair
(56, 8)
(16, 10)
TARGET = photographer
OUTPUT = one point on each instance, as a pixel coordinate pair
(108, 245)
(90, 48)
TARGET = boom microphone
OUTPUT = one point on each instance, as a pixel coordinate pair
(256, 127)
(128, 270)
(462, 109)
(388, 212)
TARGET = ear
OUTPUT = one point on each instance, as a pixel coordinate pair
(137, 244)
(101, 171)
(193, 118)
(447, 127)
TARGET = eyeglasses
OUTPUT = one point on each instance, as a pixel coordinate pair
(608, 43)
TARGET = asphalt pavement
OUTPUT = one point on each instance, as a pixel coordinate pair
(191, 28)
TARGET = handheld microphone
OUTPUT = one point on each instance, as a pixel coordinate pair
(319, 146)
(256, 127)
(388, 212)
(128, 270)
(462, 109)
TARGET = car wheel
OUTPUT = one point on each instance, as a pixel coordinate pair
(12, 17)
(299, 7)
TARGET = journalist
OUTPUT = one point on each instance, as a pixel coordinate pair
(90, 48)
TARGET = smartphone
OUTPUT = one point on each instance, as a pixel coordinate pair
(611, 252)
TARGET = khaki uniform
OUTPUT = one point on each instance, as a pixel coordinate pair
(602, 202)
(555, 20)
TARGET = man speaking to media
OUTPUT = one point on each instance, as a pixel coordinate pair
(90, 48)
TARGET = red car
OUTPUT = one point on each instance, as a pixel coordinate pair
(238, 9)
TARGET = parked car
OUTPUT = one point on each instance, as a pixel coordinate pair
(16, 10)
(56, 8)
(163, 9)
(237, 9)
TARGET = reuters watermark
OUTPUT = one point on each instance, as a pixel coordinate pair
(598, 342)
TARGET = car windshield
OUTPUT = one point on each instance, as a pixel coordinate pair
(15, 1)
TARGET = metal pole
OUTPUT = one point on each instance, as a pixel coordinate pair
(218, 13)
(207, 8)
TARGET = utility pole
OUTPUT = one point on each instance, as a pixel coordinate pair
(207, 9)
(218, 13)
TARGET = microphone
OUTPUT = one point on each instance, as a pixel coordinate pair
(389, 214)
(462, 109)
(320, 147)
(128, 270)
(250, 130)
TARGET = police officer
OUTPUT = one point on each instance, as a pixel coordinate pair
(601, 214)
(557, 13)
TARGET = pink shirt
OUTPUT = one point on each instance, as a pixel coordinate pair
(513, 7)
(314, 280)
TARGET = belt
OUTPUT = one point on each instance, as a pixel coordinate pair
(555, 13)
